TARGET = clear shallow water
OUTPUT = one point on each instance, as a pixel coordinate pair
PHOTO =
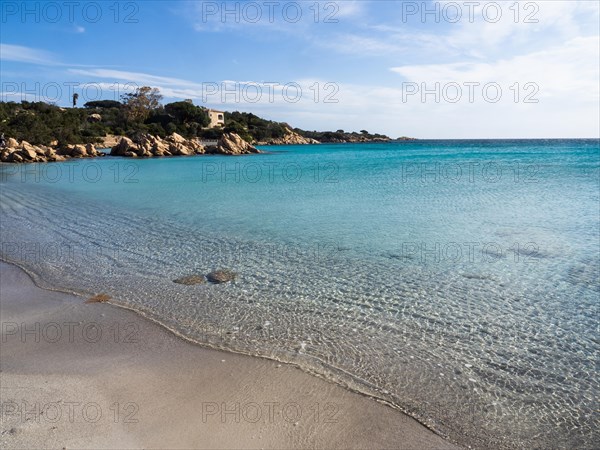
(457, 280)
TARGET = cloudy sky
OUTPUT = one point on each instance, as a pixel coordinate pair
(418, 68)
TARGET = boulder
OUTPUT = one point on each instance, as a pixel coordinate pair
(75, 151)
(27, 151)
(12, 143)
(233, 144)
(221, 276)
(93, 118)
(176, 138)
(28, 154)
(40, 150)
(91, 150)
(160, 149)
(5, 156)
(30, 149)
(124, 146)
(196, 146)
(179, 149)
(78, 151)
(55, 158)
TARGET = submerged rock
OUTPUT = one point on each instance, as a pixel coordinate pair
(221, 276)
(190, 280)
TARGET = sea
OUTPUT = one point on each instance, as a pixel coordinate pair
(455, 280)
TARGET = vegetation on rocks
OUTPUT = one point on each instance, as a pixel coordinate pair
(141, 113)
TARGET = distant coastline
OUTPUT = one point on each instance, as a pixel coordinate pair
(140, 126)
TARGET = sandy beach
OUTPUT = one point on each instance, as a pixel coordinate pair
(77, 375)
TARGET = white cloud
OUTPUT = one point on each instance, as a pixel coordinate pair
(570, 70)
(532, 26)
(345, 9)
(134, 77)
(559, 53)
(567, 77)
(300, 19)
(29, 55)
(19, 53)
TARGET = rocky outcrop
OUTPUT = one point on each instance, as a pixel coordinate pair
(109, 141)
(406, 138)
(79, 151)
(352, 138)
(290, 138)
(232, 144)
(361, 138)
(94, 118)
(148, 146)
(24, 152)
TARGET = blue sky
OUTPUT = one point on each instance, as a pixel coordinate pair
(425, 69)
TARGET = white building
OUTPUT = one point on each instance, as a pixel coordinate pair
(217, 118)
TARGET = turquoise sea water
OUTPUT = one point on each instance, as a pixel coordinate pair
(457, 280)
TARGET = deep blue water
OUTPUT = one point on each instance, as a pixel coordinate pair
(458, 280)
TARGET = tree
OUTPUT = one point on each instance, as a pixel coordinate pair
(171, 128)
(186, 112)
(103, 104)
(141, 103)
(75, 97)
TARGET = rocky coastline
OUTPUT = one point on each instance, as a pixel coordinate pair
(290, 138)
(24, 152)
(355, 139)
(150, 146)
(146, 146)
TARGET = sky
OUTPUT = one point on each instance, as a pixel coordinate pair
(425, 69)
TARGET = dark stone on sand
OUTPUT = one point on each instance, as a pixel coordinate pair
(190, 280)
(221, 276)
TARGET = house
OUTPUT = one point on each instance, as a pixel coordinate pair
(217, 118)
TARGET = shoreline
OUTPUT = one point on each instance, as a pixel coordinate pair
(154, 388)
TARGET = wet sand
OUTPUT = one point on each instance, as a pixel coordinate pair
(99, 376)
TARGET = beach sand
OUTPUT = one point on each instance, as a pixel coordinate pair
(99, 376)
